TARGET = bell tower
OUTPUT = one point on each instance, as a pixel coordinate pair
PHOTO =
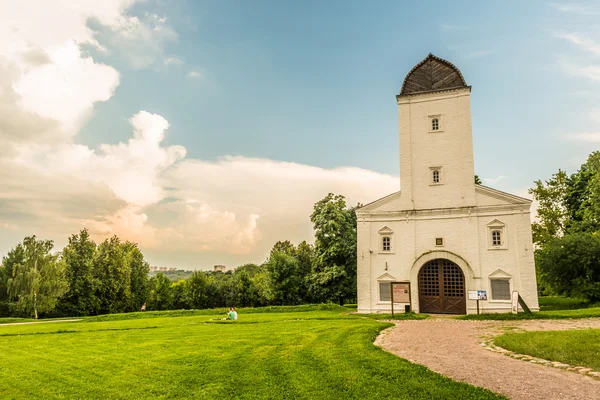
(436, 143)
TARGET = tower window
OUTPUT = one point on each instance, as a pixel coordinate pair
(435, 124)
(496, 238)
(436, 176)
(386, 243)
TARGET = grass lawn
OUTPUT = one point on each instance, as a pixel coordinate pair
(576, 347)
(551, 307)
(319, 353)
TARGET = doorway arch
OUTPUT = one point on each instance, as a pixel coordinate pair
(442, 288)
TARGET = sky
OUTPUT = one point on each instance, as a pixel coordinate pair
(205, 131)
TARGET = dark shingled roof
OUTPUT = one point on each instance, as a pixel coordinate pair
(432, 74)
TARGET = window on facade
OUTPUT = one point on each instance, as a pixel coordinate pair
(436, 176)
(435, 124)
(500, 289)
(439, 241)
(496, 238)
(387, 243)
(385, 291)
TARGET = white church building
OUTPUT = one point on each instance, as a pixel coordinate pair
(443, 233)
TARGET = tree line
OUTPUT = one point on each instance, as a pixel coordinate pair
(87, 278)
(567, 233)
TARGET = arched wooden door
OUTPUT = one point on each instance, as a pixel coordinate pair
(442, 288)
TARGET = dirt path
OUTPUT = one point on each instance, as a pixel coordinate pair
(40, 322)
(452, 348)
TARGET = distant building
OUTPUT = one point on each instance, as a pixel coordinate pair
(220, 268)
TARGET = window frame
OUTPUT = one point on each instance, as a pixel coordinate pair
(385, 232)
(440, 176)
(389, 285)
(383, 243)
(440, 124)
(497, 226)
(500, 278)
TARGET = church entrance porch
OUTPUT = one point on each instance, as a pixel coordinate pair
(442, 288)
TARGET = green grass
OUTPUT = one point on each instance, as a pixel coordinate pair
(12, 320)
(575, 347)
(303, 354)
(551, 303)
(592, 312)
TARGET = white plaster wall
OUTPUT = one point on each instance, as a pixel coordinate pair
(451, 148)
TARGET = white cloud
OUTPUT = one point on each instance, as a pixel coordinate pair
(139, 189)
(587, 71)
(582, 41)
(195, 75)
(493, 181)
(586, 137)
(173, 61)
(575, 9)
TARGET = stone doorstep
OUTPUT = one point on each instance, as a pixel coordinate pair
(490, 346)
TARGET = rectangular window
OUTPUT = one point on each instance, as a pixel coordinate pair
(500, 289)
(387, 243)
(436, 176)
(385, 291)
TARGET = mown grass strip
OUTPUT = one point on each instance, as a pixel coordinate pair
(300, 355)
(575, 347)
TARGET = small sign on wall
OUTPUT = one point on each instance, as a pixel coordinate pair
(515, 302)
(477, 295)
(401, 292)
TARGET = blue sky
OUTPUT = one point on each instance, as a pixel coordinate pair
(310, 81)
(243, 114)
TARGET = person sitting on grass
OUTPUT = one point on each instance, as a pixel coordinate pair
(234, 313)
(231, 314)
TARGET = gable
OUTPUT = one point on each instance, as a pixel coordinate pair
(386, 277)
(499, 274)
(496, 223)
(386, 231)
(388, 203)
(486, 196)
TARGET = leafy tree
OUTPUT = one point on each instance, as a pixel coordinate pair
(305, 254)
(570, 265)
(179, 298)
(112, 277)
(79, 257)
(15, 256)
(161, 294)
(38, 279)
(196, 290)
(334, 275)
(282, 279)
(552, 211)
(245, 292)
(284, 247)
(139, 269)
(582, 197)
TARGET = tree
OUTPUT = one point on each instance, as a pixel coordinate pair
(582, 197)
(552, 211)
(139, 281)
(334, 275)
(112, 277)
(79, 257)
(196, 290)
(282, 279)
(38, 280)
(161, 294)
(15, 256)
(284, 247)
(305, 254)
(477, 180)
(570, 265)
